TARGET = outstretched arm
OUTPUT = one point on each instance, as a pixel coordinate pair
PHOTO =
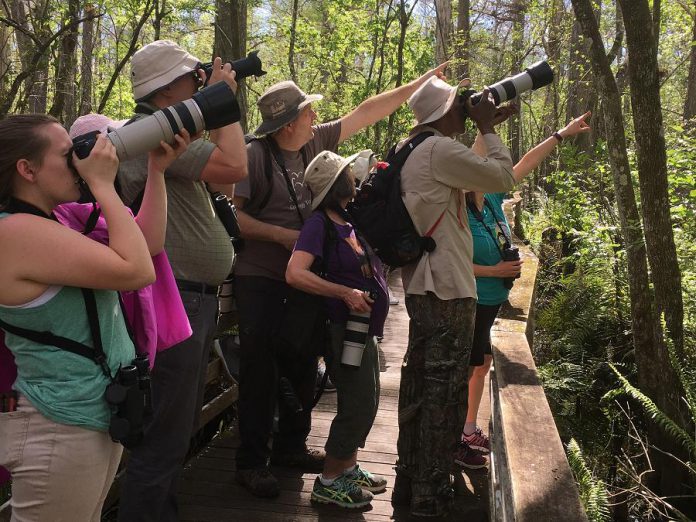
(382, 105)
(535, 156)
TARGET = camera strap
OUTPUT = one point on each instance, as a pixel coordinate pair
(278, 157)
(95, 353)
(479, 217)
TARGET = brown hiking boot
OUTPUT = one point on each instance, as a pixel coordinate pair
(259, 482)
(309, 460)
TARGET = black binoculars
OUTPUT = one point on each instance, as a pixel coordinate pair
(130, 399)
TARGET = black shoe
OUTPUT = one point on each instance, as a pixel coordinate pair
(309, 460)
(259, 482)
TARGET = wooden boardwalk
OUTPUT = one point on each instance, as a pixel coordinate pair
(209, 493)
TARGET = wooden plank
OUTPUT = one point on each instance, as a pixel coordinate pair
(209, 492)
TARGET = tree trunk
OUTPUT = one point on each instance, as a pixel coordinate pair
(443, 30)
(655, 374)
(652, 167)
(86, 63)
(135, 38)
(36, 83)
(63, 106)
(463, 38)
(5, 58)
(293, 35)
(659, 237)
(690, 99)
(582, 95)
(404, 19)
(230, 42)
(515, 123)
(551, 101)
(160, 10)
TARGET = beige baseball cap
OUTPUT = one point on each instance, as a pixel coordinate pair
(281, 104)
(157, 65)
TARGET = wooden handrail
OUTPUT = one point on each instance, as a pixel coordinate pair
(530, 479)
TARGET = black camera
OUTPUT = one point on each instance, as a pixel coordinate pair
(244, 67)
(533, 77)
(227, 213)
(129, 397)
(510, 253)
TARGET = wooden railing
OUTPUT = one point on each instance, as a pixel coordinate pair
(530, 479)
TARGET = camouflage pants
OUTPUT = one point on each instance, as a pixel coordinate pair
(432, 396)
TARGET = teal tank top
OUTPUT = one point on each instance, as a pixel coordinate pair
(65, 387)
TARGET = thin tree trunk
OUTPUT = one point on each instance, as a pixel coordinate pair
(515, 123)
(293, 36)
(63, 106)
(443, 30)
(404, 19)
(160, 11)
(230, 42)
(5, 58)
(463, 38)
(690, 98)
(135, 37)
(86, 62)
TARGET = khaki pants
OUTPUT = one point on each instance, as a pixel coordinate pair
(59, 472)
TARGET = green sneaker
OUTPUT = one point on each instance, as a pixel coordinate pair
(342, 492)
(366, 480)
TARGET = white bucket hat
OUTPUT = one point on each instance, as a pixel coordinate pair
(433, 99)
(157, 65)
(322, 172)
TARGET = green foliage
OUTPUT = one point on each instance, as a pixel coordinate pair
(667, 424)
(593, 492)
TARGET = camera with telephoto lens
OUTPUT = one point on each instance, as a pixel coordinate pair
(227, 213)
(355, 339)
(210, 108)
(533, 77)
(510, 253)
(130, 400)
(244, 67)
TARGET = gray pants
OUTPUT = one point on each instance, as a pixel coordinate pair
(178, 383)
(357, 391)
(432, 405)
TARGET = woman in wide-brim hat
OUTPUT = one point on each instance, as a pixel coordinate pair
(353, 282)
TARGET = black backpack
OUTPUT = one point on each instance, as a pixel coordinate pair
(381, 216)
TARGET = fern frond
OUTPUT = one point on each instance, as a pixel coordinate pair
(667, 424)
(593, 492)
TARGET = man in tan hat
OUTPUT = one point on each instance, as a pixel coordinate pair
(273, 203)
(201, 255)
(440, 288)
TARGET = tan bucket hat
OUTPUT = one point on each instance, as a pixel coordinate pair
(433, 99)
(281, 104)
(322, 172)
(157, 65)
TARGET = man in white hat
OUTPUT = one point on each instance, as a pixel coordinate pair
(440, 288)
(201, 256)
(272, 204)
